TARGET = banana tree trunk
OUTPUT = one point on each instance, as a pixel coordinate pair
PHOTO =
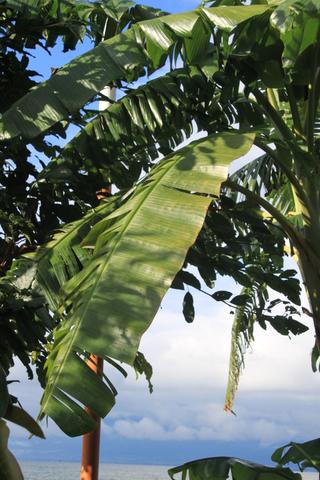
(91, 440)
(310, 272)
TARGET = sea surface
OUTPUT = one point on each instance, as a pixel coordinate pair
(70, 471)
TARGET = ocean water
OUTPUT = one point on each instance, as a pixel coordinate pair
(70, 471)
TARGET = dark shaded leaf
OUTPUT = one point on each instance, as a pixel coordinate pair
(142, 366)
(305, 455)
(221, 295)
(188, 308)
(240, 300)
(20, 417)
(4, 394)
(223, 468)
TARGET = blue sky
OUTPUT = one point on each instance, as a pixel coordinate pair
(183, 419)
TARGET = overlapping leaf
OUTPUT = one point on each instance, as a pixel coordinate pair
(119, 58)
(223, 468)
(71, 20)
(126, 137)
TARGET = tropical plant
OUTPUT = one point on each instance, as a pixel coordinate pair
(244, 73)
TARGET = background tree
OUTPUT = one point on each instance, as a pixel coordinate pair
(32, 208)
(249, 75)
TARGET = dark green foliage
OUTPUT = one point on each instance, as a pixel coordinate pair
(304, 455)
(143, 367)
(223, 468)
(20, 417)
(25, 319)
(34, 201)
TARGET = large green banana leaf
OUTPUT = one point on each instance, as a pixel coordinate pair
(225, 468)
(139, 248)
(119, 58)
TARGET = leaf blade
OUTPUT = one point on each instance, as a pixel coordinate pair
(138, 252)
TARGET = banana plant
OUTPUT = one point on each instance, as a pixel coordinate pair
(303, 455)
(261, 63)
(223, 468)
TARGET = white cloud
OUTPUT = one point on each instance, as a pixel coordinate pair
(144, 428)
(149, 429)
(277, 396)
(222, 428)
(198, 354)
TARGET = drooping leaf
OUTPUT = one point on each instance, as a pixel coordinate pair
(241, 336)
(138, 251)
(188, 308)
(142, 366)
(221, 295)
(20, 417)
